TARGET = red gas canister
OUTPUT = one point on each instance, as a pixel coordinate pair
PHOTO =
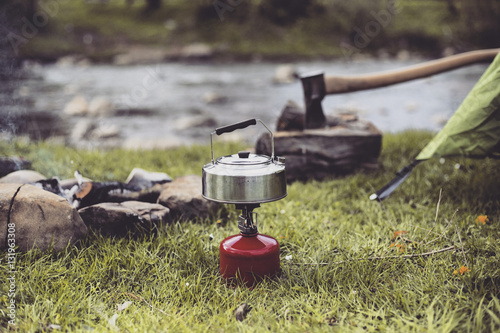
(249, 257)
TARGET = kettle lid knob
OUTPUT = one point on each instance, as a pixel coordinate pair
(243, 154)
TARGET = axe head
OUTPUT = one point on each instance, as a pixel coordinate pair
(314, 91)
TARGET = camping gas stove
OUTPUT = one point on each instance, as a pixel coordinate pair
(246, 180)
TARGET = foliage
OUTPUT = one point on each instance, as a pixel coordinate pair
(339, 270)
(273, 29)
(286, 12)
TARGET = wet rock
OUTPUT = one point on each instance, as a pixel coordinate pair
(403, 55)
(140, 179)
(183, 198)
(197, 51)
(105, 131)
(195, 122)
(73, 60)
(100, 106)
(22, 177)
(40, 219)
(118, 219)
(411, 106)
(214, 98)
(13, 163)
(141, 55)
(440, 119)
(78, 106)
(285, 74)
(82, 129)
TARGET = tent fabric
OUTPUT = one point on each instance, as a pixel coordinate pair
(474, 129)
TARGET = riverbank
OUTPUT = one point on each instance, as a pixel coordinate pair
(249, 31)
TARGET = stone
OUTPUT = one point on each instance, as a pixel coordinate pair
(285, 74)
(195, 122)
(183, 197)
(38, 218)
(214, 98)
(13, 163)
(101, 106)
(197, 51)
(140, 55)
(241, 312)
(22, 177)
(105, 131)
(140, 179)
(120, 219)
(82, 129)
(78, 106)
(146, 195)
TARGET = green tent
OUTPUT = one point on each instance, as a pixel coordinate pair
(473, 131)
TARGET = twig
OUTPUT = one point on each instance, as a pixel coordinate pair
(437, 213)
(419, 227)
(437, 207)
(462, 246)
(406, 256)
(447, 226)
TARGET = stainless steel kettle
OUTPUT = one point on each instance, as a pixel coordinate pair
(244, 178)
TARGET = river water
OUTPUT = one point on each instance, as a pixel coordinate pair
(160, 97)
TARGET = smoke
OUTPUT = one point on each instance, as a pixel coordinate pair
(10, 71)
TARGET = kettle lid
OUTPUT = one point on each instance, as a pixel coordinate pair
(244, 158)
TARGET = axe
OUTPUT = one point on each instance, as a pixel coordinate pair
(316, 86)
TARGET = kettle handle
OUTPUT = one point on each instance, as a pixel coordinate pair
(240, 125)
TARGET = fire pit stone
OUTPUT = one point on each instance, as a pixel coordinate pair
(183, 197)
(22, 177)
(117, 219)
(37, 218)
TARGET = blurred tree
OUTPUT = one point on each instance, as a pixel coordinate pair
(286, 12)
(152, 5)
(480, 22)
(11, 18)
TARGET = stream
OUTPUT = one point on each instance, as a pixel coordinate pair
(159, 102)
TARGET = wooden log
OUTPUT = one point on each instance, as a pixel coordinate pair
(322, 153)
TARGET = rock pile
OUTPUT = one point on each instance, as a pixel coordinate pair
(49, 213)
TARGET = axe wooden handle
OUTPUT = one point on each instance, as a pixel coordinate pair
(343, 84)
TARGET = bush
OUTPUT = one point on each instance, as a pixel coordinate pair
(286, 12)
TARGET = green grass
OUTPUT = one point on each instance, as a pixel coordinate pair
(329, 228)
